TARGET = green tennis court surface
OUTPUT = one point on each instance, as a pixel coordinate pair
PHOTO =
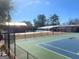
(30, 48)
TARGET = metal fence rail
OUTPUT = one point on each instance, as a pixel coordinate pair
(28, 54)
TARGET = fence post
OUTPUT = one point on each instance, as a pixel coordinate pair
(27, 55)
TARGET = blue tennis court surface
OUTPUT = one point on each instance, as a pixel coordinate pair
(67, 47)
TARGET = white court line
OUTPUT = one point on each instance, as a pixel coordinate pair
(55, 40)
(54, 52)
(60, 48)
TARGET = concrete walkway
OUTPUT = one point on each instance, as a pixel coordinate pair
(4, 57)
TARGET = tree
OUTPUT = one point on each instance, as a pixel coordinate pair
(35, 23)
(54, 20)
(40, 21)
(5, 8)
(28, 23)
(48, 22)
(29, 26)
(73, 22)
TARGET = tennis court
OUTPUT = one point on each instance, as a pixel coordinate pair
(64, 46)
(68, 47)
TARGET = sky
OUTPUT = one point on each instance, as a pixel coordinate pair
(29, 9)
